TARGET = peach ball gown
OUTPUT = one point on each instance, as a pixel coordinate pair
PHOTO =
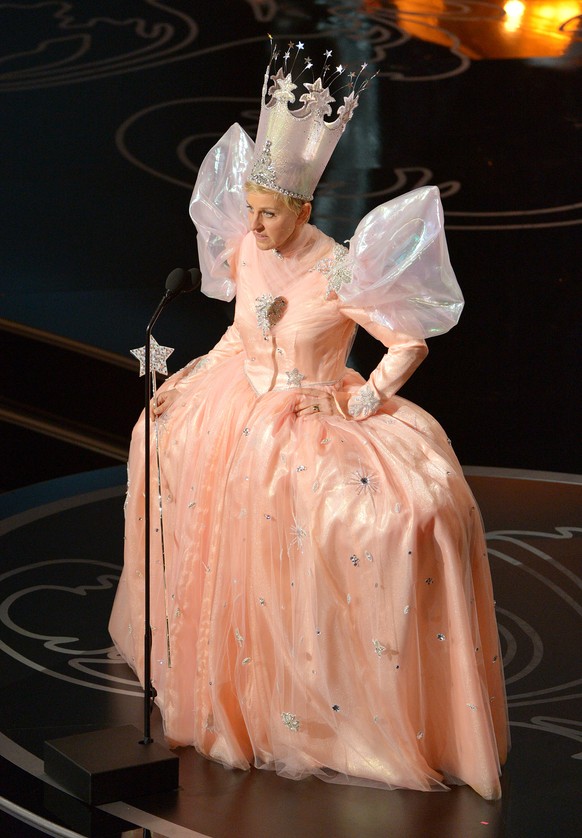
(326, 606)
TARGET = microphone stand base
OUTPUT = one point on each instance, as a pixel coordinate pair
(108, 765)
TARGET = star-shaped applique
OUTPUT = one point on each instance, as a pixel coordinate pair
(294, 378)
(346, 110)
(284, 89)
(158, 357)
(299, 533)
(319, 95)
(276, 78)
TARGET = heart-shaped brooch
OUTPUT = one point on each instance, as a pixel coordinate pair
(269, 311)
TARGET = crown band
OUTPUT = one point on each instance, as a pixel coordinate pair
(263, 174)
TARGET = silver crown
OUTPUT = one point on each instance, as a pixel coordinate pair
(293, 147)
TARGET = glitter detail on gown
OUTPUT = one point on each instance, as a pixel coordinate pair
(327, 586)
(328, 590)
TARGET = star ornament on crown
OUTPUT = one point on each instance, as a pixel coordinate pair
(293, 147)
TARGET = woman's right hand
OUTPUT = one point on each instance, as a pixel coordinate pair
(162, 401)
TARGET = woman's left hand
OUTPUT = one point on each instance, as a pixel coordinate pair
(315, 403)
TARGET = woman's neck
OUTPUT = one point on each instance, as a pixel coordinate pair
(295, 243)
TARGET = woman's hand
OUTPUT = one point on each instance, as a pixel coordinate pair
(162, 401)
(312, 403)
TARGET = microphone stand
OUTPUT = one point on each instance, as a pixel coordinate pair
(177, 282)
(102, 766)
(149, 692)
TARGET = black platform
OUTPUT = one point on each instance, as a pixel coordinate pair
(110, 764)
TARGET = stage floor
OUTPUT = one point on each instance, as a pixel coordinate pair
(62, 551)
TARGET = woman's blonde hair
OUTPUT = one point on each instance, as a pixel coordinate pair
(293, 204)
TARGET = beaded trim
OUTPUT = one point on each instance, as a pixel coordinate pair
(365, 403)
(337, 269)
(264, 174)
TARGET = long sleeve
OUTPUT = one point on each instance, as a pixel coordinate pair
(230, 344)
(404, 355)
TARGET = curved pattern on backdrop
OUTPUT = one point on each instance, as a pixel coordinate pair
(46, 652)
(179, 168)
(94, 40)
(558, 588)
(91, 42)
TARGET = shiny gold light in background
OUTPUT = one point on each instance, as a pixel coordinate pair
(511, 29)
(514, 10)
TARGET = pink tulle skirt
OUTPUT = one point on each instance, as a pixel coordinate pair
(322, 603)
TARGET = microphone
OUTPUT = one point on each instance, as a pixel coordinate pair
(180, 281)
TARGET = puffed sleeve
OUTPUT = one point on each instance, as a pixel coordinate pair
(396, 281)
(401, 272)
(217, 208)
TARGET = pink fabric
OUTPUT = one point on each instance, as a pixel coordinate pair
(327, 588)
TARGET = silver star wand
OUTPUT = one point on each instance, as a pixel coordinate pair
(157, 364)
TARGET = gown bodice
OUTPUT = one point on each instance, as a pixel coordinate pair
(311, 338)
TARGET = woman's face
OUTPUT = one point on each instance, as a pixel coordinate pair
(273, 224)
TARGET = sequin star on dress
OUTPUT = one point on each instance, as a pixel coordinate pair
(327, 586)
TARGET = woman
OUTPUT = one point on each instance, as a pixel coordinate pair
(322, 602)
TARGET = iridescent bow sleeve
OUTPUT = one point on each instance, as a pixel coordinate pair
(401, 288)
(217, 208)
(401, 269)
